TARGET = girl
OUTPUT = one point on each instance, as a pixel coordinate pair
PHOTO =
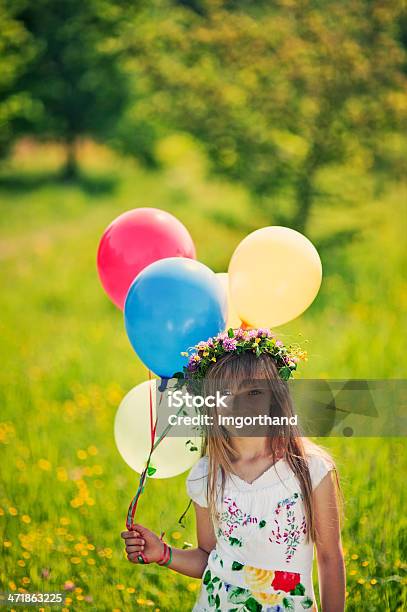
(261, 501)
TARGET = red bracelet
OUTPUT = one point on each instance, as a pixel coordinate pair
(166, 555)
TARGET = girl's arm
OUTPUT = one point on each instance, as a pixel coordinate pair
(190, 562)
(331, 567)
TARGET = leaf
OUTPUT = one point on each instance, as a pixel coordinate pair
(217, 600)
(238, 595)
(215, 579)
(285, 372)
(253, 605)
(236, 566)
(307, 602)
(210, 588)
(234, 542)
(211, 600)
(231, 333)
(207, 577)
(262, 523)
(299, 590)
(288, 603)
(151, 470)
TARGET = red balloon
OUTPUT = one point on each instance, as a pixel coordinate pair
(134, 240)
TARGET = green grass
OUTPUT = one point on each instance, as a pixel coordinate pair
(66, 363)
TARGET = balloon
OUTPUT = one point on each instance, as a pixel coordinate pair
(232, 318)
(172, 305)
(133, 439)
(274, 275)
(134, 240)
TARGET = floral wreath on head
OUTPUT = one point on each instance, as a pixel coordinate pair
(257, 341)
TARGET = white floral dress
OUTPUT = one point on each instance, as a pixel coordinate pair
(261, 562)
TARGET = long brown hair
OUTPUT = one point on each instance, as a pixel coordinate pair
(290, 444)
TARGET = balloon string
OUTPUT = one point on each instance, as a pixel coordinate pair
(154, 443)
(133, 504)
(152, 426)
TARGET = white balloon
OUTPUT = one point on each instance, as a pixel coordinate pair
(133, 439)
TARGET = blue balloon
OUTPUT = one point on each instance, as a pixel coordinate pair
(173, 304)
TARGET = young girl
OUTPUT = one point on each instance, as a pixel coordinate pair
(261, 502)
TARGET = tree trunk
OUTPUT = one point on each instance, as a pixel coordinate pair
(304, 192)
(304, 198)
(71, 170)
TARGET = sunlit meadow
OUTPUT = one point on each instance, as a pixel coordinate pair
(66, 364)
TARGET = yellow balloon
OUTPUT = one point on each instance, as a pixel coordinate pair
(233, 318)
(274, 275)
(133, 440)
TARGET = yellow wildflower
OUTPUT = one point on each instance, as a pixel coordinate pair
(44, 464)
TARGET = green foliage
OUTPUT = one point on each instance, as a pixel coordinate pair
(275, 91)
(75, 72)
(16, 50)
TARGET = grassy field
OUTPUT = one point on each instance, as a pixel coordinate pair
(66, 364)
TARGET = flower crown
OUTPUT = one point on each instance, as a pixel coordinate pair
(256, 341)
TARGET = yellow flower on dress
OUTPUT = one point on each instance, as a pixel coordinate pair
(256, 578)
(268, 598)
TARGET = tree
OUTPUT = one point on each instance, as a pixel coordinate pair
(16, 50)
(76, 73)
(276, 91)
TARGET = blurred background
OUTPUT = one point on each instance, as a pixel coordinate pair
(232, 115)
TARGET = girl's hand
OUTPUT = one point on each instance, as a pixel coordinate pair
(145, 541)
